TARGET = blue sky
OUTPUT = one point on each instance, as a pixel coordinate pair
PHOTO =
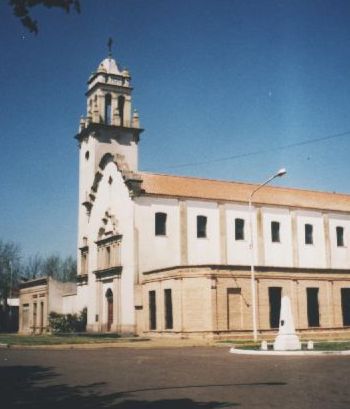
(212, 79)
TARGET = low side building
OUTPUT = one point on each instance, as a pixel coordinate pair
(39, 297)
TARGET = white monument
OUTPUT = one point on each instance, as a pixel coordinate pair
(286, 338)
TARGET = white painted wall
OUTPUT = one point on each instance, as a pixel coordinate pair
(277, 254)
(238, 251)
(69, 304)
(340, 256)
(311, 255)
(89, 167)
(82, 297)
(114, 198)
(203, 250)
(157, 251)
(160, 252)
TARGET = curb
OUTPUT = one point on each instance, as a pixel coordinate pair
(4, 346)
(287, 353)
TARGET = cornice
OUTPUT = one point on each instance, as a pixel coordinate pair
(94, 126)
(108, 272)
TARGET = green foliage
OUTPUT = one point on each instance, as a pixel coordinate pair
(67, 323)
(21, 9)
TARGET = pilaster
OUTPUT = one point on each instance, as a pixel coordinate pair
(295, 250)
(183, 233)
(260, 242)
(223, 234)
(327, 240)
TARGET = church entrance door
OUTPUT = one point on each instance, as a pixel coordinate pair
(109, 297)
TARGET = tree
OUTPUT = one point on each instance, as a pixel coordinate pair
(51, 266)
(22, 10)
(33, 267)
(13, 270)
(69, 269)
(10, 262)
(62, 269)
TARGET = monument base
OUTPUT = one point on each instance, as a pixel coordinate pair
(287, 342)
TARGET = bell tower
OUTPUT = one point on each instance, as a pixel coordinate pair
(110, 131)
(109, 118)
(109, 96)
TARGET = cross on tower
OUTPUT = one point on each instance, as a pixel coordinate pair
(109, 44)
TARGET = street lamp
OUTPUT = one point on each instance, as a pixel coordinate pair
(280, 173)
(10, 265)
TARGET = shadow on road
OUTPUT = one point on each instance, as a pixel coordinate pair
(164, 388)
(28, 387)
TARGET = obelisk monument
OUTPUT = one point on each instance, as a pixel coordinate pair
(286, 340)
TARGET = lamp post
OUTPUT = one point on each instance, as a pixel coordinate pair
(10, 265)
(280, 173)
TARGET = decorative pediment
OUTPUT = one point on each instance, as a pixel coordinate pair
(109, 226)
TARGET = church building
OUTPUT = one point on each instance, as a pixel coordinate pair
(172, 255)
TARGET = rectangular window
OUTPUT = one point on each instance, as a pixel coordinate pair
(345, 306)
(340, 236)
(275, 232)
(313, 314)
(201, 226)
(108, 109)
(168, 302)
(160, 224)
(275, 294)
(41, 324)
(152, 310)
(239, 229)
(309, 234)
(35, 310)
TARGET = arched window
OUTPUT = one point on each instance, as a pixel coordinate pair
(121, 101)
(108, 109)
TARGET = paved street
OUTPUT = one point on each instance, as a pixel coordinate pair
(184, 378)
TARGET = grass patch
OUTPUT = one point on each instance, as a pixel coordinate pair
(318, 346)
(251, 347)
(332, 346)
(236, 342)
(15, 339)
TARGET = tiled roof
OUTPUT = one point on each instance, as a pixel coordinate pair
(219, 190)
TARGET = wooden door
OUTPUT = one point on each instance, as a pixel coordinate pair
(109, 296)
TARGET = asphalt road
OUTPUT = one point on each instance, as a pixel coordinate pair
(183, 378)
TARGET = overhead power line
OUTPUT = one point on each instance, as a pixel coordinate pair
(259, 152)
